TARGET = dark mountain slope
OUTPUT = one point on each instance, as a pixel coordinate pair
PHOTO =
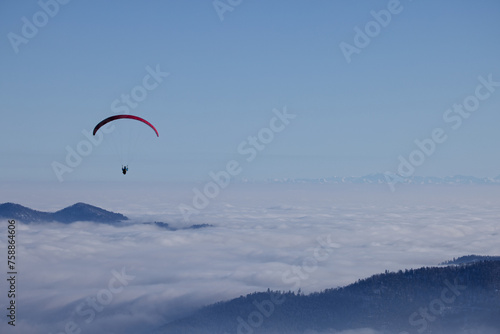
(85, 212)
(453, 299)
(22, 213)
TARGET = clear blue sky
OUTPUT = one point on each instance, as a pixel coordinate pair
(226, 77)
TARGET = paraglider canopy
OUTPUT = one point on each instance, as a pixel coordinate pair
(115, 117)
(123, 146)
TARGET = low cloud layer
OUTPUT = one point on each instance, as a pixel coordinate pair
(106, 279)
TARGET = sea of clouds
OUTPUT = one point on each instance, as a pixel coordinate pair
(100, 278)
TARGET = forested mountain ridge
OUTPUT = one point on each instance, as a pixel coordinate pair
(451, 299)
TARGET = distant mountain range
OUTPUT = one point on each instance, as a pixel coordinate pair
(381, 178)
(76, 212)
(447, 300)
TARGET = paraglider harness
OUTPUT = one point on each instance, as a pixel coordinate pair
(124, 169)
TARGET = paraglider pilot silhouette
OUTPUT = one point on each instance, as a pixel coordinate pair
(112, 118)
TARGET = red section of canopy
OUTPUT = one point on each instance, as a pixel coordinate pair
(112, 118)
